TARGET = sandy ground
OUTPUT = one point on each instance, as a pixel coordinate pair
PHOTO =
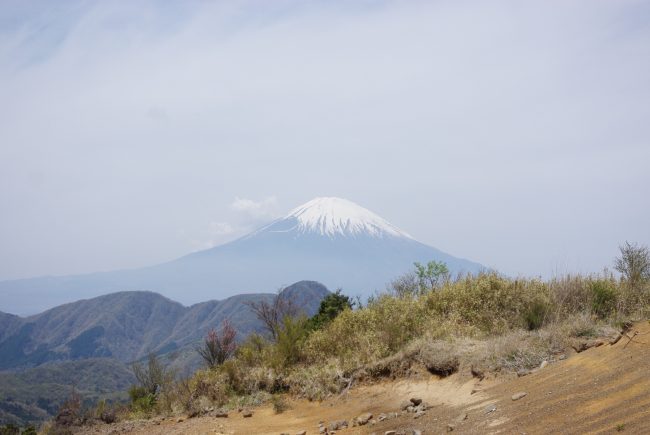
(601, 390)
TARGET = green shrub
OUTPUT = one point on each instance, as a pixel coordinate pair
(141, 399)
(604, 298)
(330, 307)
(535, 315)
(291, 336)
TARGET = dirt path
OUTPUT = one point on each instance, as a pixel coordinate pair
(602, 390)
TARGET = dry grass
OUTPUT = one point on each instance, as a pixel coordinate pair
(487, 323)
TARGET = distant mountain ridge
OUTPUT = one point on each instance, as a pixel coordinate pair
(128, 325)
(89, 343)
(330, 240)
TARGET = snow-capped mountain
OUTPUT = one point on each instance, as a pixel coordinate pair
(335, 217)
(330, 240)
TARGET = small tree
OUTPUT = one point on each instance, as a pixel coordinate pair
(330, 307)
(432, 275)
(272, 314)
(634, 263)
(218, 346)
(405, 285)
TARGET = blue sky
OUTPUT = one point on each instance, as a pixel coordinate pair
(512, 133)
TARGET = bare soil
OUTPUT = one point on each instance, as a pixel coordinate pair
(602, 390)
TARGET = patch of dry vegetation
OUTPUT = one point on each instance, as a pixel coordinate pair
(484, 324)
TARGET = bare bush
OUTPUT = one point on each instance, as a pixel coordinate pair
(153, 376)
(272, 314)
(634, 263)
(218, 346)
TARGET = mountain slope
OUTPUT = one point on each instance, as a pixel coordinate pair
(35, 394)
(128, 325)
(329, 240)
(89, 343)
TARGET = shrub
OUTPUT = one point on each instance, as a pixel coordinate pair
(214, 385)
(218, 346)
(273, 313)
(604, 298)
(152, 376)
(290, 338)
(330, 307)
(69, 412)
(358, 337)
(634, 263)
(253, 351)
(141, 399)
(404, 286)
(535, 315)
(279, 404)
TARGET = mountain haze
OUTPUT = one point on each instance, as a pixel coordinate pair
(330, 240)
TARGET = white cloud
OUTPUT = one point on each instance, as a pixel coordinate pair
(265, 209)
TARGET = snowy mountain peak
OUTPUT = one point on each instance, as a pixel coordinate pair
(329, 216)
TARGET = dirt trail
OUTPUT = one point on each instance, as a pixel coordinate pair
(601, 390)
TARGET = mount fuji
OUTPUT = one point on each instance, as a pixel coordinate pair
(330, 240)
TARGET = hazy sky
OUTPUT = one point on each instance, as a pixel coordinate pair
(515, 134)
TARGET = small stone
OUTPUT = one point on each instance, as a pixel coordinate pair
(543, 364)
(302, 432)
(247, 414)
(523, 372)
(338, 424)
(416, 401)
(416, 432)
(364, 418)
(490, 408)
(221, 414)
(419, 414)
(450, 427)
(180, 420)
(382, 417)
(519, 395)
(410, 409)
(462, 417)
(390, 432)
(561, 357)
